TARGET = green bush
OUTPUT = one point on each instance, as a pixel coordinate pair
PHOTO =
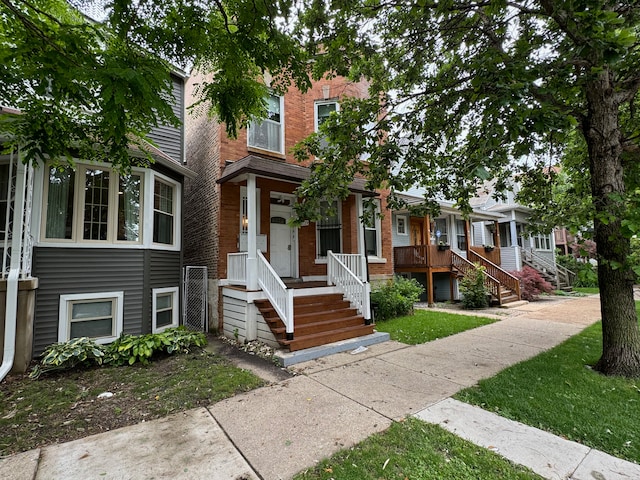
(395, 298)
(586, 274)
(127, 349)
(66, 355)
(474, 293)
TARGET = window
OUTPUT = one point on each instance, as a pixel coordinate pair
(268, 134)
(165, 308)
(93, 205)
(322, 112)
(95, 315)
(372, 230)
(460, 234)
(329, 229)
(440, 227)
(163, 208)
(59, 224)
(542, 242)
(401, 225)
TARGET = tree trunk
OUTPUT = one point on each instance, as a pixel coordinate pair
(620, 334)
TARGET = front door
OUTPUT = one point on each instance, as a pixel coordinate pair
(416, 232)
(282, 245)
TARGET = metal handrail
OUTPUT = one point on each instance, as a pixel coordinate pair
(504, 277)
(279, 295)
(356, 291)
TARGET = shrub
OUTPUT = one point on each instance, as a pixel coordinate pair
(532, 284)
(140, 348)
(395, 298)
(66, 355)
(586, 274)
(474, 292)
(127, 349)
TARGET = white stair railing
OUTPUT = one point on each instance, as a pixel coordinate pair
(237, 268)
(277, 292)
(354, 289)
(355, 263)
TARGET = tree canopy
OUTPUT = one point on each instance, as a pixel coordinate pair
(91, 88)
(463, 91)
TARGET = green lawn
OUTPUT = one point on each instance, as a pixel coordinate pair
(427, 325)
(413, 449)
(587, 290)
(557, 391)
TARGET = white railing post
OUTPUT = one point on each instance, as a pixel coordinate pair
(330, 267)
(289, 310)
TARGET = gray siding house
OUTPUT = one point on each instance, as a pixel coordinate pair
(102, 250)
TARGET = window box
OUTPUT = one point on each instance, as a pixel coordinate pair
(443, 247)
(489, 248)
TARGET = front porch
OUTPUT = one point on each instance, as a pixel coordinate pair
(294, 314)
(432, 260)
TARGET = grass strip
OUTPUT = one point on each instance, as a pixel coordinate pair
(428, 325)
(415, 449)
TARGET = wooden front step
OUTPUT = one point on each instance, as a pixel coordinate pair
(318, 320)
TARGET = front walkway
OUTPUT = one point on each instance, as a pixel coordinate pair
(337, 401)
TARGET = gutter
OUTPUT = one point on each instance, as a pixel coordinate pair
(11, 306)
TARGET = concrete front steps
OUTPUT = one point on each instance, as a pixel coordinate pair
(318, 320)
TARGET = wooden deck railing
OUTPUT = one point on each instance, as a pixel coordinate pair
(504, 277)
(421, 256)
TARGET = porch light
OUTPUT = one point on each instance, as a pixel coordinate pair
(245, 223)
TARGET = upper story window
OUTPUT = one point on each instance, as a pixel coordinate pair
(322, 112)
(401, 225)
(268, 134)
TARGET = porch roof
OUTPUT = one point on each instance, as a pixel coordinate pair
(280, 170)
(447, 207)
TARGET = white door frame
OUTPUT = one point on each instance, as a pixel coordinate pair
(294, 231)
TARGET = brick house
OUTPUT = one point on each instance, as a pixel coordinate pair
(236, 224)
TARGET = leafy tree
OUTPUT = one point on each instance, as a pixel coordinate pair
(90, 89)
(465, 91)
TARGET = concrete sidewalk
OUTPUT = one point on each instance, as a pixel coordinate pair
(337, 401)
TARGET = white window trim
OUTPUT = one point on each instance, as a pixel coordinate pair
(323, 259)
(406, 230)
(378, 228)
(177, 215)
(175, 302)
(79, 204)
(282, 120)
(542, 238)
(316, 104)
(64, 322)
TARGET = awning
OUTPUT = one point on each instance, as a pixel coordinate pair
(267, 168)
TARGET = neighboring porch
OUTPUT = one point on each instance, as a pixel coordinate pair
(445, 248)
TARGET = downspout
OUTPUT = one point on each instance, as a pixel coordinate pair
(11, 306)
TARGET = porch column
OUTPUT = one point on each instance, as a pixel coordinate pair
(360, 229)
(252, 244)
(496, 234)
(514, 244)
(426, 230)
(467, 236)
(514, 233)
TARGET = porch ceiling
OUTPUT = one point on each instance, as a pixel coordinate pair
(264, 167)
